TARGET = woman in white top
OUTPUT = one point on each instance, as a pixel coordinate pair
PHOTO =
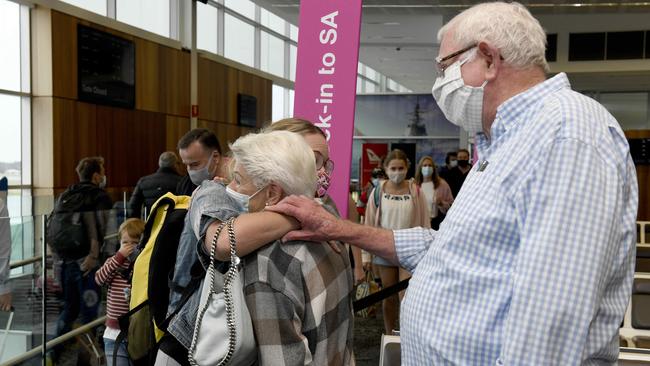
(396, 203)
(435, 189)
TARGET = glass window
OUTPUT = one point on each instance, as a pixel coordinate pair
(371, 74)
(206, 24)
(272, 54)
(293, 55)
(272, 21)
(151, 15)
(10, 138)
(359, 85)
(370, 87)
(239, 40)
(293, 32)
(243, 7)
(630, 109)
(291, 95)
(360, 68)
(96, 6)
(10, 45)
(277, 112)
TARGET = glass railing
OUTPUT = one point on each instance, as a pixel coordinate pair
(36, 281)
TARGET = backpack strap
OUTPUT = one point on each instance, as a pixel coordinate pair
(377, 194)
(123, 320)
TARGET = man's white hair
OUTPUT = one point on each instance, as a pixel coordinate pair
(507, 26)
(279, 157)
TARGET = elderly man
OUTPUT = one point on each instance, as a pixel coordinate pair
(534, 263)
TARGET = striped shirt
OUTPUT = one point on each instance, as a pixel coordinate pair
(112, 275)
(300, 299)
(534, 263)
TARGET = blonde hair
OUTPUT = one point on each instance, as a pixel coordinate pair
(296, 125)
(132, 227)
(507, 26)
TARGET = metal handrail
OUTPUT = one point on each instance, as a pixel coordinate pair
(25, 262)
(56, 341)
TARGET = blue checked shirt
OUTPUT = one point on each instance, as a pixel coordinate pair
(534, 263)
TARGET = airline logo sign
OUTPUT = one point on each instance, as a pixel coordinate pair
(326, 77)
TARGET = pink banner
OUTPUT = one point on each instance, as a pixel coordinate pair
(326, 79)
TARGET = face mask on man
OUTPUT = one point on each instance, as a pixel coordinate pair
(463, 163)
(427, 171)
(198, 176)
(396, 177)
(242, 199)
(323, 183)
(461, 104)
(102, 184)
(453, 163)
(375, 182)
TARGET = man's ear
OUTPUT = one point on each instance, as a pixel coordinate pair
(493, 59)
(274, 194)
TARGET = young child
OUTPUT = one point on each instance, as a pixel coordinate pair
(114, 275)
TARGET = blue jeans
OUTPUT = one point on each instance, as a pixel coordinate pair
(81, 296)
(122, 356)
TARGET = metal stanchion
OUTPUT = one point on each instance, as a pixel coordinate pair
(44, 288)
(124, 200)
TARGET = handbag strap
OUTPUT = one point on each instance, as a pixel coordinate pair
(227, 292)
(199, 318)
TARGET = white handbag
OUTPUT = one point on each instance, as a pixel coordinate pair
(223, 332)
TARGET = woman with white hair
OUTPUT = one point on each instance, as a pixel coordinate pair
(298, 293)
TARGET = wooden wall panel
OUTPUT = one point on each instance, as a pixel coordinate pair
(174, 81)
(64, 55)
(176, 128)
(212, 88)
(643, 177)
(147, 70)
(226, 133)
(218, 87)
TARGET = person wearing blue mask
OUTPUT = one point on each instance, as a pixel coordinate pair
(200, 152)
(534, 263)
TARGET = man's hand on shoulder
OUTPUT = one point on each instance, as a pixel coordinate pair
(316, 223)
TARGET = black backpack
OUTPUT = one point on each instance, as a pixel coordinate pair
(66, 233)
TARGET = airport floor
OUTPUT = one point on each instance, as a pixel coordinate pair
(367, 339)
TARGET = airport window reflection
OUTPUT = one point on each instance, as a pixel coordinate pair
(272, 54)
(10, 45)
(150, 15)
(96, 6)
(239, 41)
(207, 18)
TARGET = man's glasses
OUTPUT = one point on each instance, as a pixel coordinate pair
(441, 66)
(321, 163)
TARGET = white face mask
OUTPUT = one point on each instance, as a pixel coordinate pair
(427, 171)
(102, 184)
(396, 178)
(461, 104)
(453, 163)
(242, 199)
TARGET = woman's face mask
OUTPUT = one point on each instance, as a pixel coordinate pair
(461, 104)
(242, 199)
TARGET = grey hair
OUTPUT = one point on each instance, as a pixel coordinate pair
(507, 26)
(279, 157)
(167, 160)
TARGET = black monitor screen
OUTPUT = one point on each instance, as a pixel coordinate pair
(247, 110)
(106, 68)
